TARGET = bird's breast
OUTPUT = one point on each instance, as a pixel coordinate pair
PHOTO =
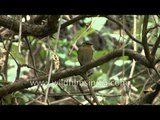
(85, 55)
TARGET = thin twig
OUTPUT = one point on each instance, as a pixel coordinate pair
(126, 87)
(126, 30)
(81, 93)
(48, 82)
(6, 59)
(78, 37)
(32, 58)
(155, 47)
(146, 82)
(30, 102)
(20, 34)
(133, 62)
(8, 52)
(74, 71)
(18, 73)
(64, 25)
(60, 101)
(81, 90)
(70, 95)
(33, 63)
(51, 65)
(37, 70)
(58, 33)
(152, 28)
(85, 77)
(158, 74)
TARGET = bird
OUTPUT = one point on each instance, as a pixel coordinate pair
(85, 53)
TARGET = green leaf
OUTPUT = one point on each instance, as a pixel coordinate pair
(63, 42)
(55, 87)
(99, 54)
(134, 88)
(121, 62)
(23, 98)
(24, 69)
(89, 31)
(17, 94)
(4, 82)
(79, 34)
(82, 33)
(71, 63)
(105, 67)
(97, 22)
(12, 71)
(95, 75)
(150, 24)
(118, 37)
(7, 99)
(62, 55)
(102, 81)
(18, 56)
(43, 54)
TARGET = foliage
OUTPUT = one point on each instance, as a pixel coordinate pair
(106, 37)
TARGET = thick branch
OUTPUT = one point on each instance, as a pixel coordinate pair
(34, 29)
(76, 71)
(144, 38)
(30, 29)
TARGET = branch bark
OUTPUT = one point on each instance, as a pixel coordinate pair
(148, 98)
(31, 29)
(37, 19)
(76, 71)
(144, 38)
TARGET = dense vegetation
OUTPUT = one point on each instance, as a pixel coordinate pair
(39, 65)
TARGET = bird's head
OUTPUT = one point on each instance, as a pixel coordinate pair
(87, 43)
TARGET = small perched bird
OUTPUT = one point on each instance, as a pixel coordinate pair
(85, 53)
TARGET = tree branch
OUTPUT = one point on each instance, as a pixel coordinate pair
(31, 29)
(155, 47)
(125, 29)
(74, 20)
(149, 97)
(37, 30)
(72, 72)
(144, 38)
(84, 93)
